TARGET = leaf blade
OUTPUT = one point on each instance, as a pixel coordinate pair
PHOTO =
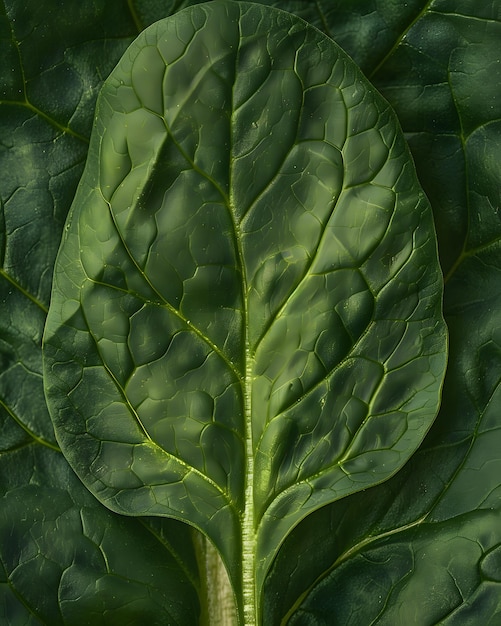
(190, 397)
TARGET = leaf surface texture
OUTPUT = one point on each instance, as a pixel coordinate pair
(246, 314)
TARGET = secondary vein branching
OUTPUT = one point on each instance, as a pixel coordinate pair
(36, 438)
(132, 410)
(399, 40)
(22, 290)
(214, 347)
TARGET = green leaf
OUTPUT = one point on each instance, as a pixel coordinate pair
(245, 323)
(36, 188)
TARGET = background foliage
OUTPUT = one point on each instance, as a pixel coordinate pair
(423, 547)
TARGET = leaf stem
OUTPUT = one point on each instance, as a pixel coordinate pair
(249, 595)
(216, 594)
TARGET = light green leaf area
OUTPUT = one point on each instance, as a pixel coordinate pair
(245, 322)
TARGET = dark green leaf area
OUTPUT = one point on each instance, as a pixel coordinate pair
(12, 84)
(38, 180)
(247, 292)
(444, 43)
(424, 576)
(12, 610)
(23, 412)
(485, 197)
(90, 566)
(58, 47)
(443, 81)
(37, 172)
(439, 158)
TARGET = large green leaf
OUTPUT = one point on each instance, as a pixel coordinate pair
(246, 320)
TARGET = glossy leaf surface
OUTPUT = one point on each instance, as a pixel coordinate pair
(246, 316)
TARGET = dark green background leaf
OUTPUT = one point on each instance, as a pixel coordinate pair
(68, 560)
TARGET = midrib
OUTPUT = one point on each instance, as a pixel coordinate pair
(248, 534)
